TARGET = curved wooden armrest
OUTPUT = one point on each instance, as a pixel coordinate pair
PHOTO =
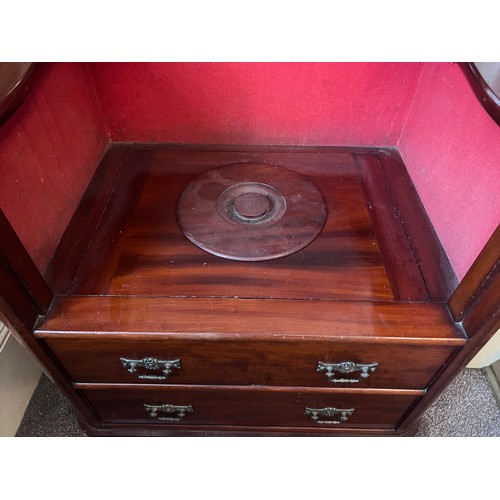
(16, 79)
(485, 94)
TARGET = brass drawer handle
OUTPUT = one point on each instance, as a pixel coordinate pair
(346, 367)
(329, 413)
(181, 411)
(152, 364)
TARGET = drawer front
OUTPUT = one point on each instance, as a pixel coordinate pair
(272, 363)
(180, 405)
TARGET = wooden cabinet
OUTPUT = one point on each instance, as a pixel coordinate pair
(156, 336)
(350, 321)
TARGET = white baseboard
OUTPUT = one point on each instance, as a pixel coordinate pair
(19, 376)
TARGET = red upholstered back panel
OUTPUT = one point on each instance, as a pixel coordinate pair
(49, 151)
(451, 148)
(361, 104)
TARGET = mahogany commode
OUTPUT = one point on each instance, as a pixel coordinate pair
(160, 337)
(345, 319)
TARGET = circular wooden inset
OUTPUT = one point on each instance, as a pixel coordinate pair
(251, 203)
(251, 212)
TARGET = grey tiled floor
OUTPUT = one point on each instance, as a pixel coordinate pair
(466, 408)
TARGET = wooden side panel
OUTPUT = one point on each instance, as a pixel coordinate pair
(476, 303)
(22, 271)
(484, 313)
(431, 257)
(78, 236)
(16, 80)
(479, 275)
(484, 93)
(406, 279)
(16, 299)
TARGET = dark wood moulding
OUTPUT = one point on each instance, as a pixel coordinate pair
(484, 93)
(218, 318)
(16, 79)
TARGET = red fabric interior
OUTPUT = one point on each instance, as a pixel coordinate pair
(451, 148)
(49, 150)
(362, 104)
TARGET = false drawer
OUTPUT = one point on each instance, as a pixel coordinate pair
(246, 362)
(263, 407)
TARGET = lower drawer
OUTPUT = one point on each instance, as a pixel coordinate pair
(266, 407)
(246, 362)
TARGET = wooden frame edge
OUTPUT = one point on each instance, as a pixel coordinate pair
(479, 319)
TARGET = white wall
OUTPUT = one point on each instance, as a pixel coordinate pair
(488, 354)
(19, 376)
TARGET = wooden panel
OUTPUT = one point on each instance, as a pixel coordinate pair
(104, 249)
(431, 257)
(250, 362)
(406, 279)
(250, 406)
(484, 314)
(470, 287)
(71, 250)
(18, 264)
(16, 79)
(484, 93)
(140, 250)
(150, 318)
(16, 297)
(476, 300)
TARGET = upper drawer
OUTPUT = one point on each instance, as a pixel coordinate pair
(245, 342)
(251, 362)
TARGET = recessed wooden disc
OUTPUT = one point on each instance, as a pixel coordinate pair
(251, 212)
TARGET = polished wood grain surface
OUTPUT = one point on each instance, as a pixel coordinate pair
(266, 407)
(76, 239)
(151, 318)
(138, 248)
(471, 285)
(16, 80)
(251, 212)
(399, 260)
(432, 260)
(251, 362)
(483, 315)
(24, 275)
(476, 302)
(484, 93)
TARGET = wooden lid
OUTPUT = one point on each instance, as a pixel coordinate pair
(251, 212)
